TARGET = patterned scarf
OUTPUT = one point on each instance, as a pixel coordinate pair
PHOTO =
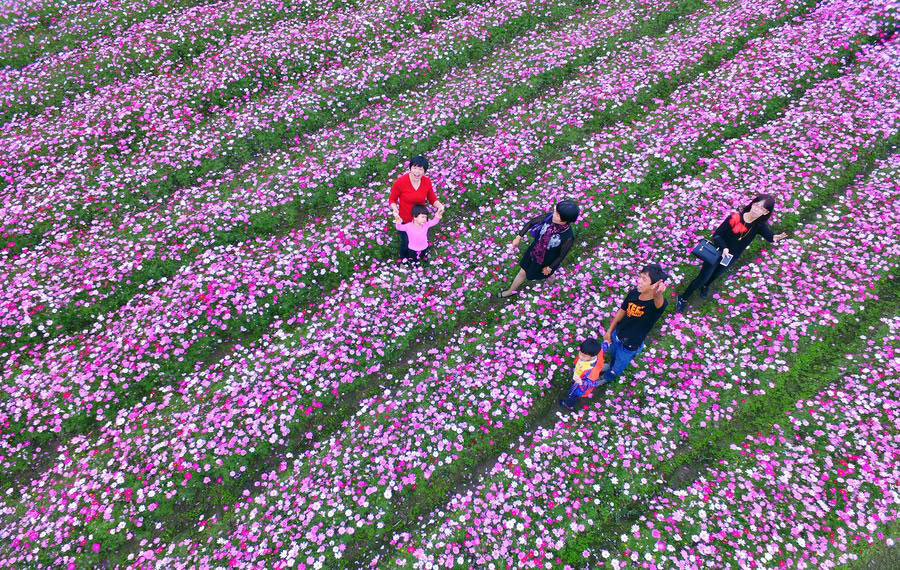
(543, 241)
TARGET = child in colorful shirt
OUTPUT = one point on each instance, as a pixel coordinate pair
(588, 366)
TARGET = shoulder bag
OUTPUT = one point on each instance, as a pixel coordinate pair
(706, 251)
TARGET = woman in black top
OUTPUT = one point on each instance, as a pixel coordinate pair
(553, 238)
(732, 238)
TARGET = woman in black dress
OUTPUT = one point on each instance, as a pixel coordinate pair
(553, 238)
(731, 238)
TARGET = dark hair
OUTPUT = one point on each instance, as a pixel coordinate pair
(655, 272)
(418, 210)
(419, 160)
(768, 203)
(590, 346)
(568, 210)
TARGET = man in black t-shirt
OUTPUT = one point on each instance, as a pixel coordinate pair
(637, 314)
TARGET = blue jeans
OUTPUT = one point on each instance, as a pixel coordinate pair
(619, 358)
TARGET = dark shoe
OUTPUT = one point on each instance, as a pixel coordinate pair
(562, 403)
(500, 294)
(680, 305)
(704, 291)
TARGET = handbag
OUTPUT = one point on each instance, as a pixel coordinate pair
(706, 251)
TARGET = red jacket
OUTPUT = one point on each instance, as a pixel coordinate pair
(403, 193)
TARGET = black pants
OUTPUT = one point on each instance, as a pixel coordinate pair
(417, 256)
(405, 252)
(708, 273)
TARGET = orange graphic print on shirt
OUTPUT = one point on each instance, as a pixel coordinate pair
(635, 310)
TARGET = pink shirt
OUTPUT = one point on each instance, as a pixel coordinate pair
(418, 235)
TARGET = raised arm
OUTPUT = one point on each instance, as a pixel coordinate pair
(659, 289)
(438, 214)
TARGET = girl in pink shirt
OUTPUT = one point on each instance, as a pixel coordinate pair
(417, 231)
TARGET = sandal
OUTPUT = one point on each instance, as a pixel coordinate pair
(500, 294)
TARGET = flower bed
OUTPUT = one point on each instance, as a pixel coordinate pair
(587, 470)
(205, 55)
(25, 11)
(198, 305)
(85, 267)
(42, 27)
(814, 490)
(177, 151)
(402, 444)
(364, 309)
(161, 346)
(68, 85)
(195, 441)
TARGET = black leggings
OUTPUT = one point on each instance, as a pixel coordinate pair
(708, 273)
(405, 252)
(418, 256)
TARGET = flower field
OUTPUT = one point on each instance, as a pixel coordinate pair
(211, 357)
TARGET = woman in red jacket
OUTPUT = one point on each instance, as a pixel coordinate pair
(411, 189)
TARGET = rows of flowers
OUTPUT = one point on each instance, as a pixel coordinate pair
(85, 266)
(550, 493)
(369, 301)
(164, 327)
(27, 10)
(382, 420)
(62, 84)
(265, 44)
(39, 27)
(178, 151)
(104, 365)
(814, 491)
(332, 484)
